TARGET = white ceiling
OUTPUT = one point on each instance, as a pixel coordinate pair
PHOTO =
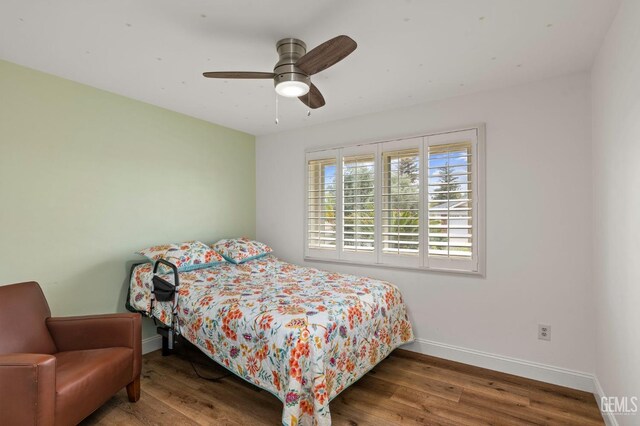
(409, 51)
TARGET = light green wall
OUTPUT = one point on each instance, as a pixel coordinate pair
(88, 177)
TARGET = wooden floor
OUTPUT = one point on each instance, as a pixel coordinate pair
(406, 389)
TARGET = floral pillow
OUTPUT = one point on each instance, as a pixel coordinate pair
(240, 250)
(186, 256)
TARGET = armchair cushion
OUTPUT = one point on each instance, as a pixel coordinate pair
(88, 378)
(27, 393)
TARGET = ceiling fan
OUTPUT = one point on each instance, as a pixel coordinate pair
(292, 73)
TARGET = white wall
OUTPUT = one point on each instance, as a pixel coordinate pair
(538, 219)
(616, 164)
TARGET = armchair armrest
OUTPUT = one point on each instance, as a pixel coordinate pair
(97, 332)
(27, 389)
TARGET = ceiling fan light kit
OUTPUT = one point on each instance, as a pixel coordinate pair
(292, 73)
(292, 88)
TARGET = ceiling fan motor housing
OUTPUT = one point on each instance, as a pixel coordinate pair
(290, 50)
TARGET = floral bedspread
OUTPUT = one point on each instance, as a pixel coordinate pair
(300, 333)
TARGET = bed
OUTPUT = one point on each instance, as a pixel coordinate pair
(300, 333)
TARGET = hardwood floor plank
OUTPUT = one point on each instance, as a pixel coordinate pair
(387, 372)
(191, 403)
(497, 387)
(373, 384)
(110, 415)
(390, 411)
(586, 406)
(231, 394)
(452, 411)
(513, 412)
(345, 413)
(567, 408)
(404, 389)
(148, 411)
(479, 372)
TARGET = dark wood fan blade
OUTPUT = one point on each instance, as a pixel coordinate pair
(238, 74)
(327, 54)
(314, 98)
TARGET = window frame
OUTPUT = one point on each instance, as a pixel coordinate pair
(474, 266)
(452, 263)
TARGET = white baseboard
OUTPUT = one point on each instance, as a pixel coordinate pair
(598, 392)
(151, 344)
(531, 370)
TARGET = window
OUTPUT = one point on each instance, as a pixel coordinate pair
(400, 203)
(413, 203)
(358, 208)
(451, 234)
(321, 204)
(450, 200)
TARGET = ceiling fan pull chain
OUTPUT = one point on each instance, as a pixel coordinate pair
(309, 103)
(277, 109)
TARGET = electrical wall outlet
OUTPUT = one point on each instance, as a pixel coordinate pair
(544, 332)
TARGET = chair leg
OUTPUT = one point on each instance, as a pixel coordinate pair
(133, 390)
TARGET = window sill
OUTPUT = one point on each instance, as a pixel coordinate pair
(396, 267)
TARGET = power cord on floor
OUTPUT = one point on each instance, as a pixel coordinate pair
(193, 365)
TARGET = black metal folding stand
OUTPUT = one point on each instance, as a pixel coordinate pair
(162, 291)
(165, 291)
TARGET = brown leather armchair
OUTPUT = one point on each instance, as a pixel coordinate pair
(57, 371)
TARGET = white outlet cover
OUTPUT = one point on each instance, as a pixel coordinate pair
(544, 332)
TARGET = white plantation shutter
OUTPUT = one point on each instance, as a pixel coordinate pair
(321, 206)
(450, 205)
(400, 203)
(358, 203)
(414, 203)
